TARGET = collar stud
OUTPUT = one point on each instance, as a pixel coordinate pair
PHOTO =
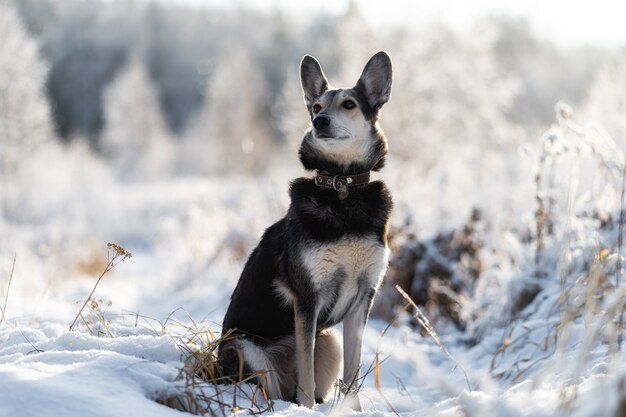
(340, 183)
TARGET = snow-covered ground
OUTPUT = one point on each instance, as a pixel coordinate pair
(189, 238)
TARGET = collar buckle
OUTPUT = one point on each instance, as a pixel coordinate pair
(340, 183)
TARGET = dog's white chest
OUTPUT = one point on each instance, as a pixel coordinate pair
(355, 256)
(341, 269)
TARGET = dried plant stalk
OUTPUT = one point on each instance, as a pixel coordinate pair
(425, 323)
(620, 241)
(6, 297)
(120, 254)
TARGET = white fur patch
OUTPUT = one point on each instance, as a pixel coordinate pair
(357, 256)
(346, 151)
(284, 293)
(258, 361)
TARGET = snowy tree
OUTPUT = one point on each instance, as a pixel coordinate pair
(82, 66)
(547, 72)
(25, 120)
(135, 139)
(231, 132)
(449, 93)
(178, 43)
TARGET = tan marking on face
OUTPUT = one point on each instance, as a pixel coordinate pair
(351, 139)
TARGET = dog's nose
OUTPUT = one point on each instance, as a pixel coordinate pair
(321, 122)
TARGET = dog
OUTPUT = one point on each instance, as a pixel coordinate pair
(324, 261)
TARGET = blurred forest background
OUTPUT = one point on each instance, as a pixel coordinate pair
(166, 88)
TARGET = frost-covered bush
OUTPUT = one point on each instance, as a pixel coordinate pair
(568, 261)
(437, 272)
(534, 253)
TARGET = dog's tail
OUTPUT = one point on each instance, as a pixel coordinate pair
(272, 367)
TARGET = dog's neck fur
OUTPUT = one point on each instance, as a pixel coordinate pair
(314, 159)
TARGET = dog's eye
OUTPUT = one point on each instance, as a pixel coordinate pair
(348, 104)
(317, 108)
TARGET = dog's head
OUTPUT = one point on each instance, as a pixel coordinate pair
(345, 137)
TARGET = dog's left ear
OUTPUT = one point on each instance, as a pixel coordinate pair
(312, 79)
(375, 81)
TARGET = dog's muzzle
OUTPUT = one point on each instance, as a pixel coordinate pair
(321, 122)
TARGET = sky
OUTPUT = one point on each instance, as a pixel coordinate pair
(598, 22)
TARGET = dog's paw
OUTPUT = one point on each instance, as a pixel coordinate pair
(305, 400)
(354, 402)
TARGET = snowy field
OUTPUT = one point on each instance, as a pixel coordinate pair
(511, 234)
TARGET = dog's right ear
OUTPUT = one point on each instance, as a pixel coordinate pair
(312, 80)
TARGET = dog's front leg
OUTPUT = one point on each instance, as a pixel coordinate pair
(305, 327)
(353, 327)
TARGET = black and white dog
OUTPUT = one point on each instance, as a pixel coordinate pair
(323, 262)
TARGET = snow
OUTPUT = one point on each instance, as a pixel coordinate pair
(51, 372)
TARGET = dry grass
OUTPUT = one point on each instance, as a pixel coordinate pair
(425, 323)
(96, 321)
(6, 297)
(595, 300)
(204, 390)
(115, 255)
(590, 297)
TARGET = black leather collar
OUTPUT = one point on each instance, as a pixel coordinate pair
(340, 183)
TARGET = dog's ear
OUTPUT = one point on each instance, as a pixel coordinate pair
(375, 81)
(312, 80)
